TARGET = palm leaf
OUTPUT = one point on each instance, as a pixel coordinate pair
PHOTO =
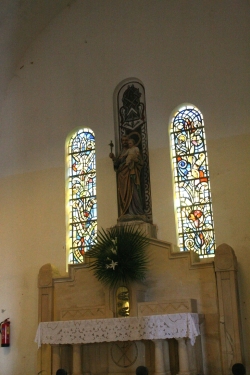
(119, 255)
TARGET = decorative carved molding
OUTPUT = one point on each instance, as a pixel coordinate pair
(96, 312)
(167, 307)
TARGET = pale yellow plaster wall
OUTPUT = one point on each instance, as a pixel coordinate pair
(185, 51)
(29, 204)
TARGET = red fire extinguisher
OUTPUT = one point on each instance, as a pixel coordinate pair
(5, 333)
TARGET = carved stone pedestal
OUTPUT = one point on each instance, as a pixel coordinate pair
(149, 229)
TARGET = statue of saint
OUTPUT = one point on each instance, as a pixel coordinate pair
(128, 166)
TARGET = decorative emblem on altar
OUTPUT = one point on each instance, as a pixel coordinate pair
(122, 301)
(124, 354)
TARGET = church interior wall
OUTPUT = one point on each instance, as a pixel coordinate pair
(183, 52)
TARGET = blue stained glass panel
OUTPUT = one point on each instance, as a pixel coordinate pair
(82, 194)
(191, 182)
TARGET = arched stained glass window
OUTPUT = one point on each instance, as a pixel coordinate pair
(191, 182)
(81, 194)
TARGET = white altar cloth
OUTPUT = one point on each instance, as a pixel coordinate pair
(119, 329)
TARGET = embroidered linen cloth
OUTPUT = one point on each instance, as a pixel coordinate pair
(119, 329)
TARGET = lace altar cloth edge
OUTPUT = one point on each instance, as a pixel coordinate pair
(119, 329)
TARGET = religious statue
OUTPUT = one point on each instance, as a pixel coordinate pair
(128, 165)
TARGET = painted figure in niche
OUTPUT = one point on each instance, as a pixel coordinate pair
(128, 166)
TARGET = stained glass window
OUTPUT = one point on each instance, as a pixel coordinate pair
(81, 194)
(191, 182)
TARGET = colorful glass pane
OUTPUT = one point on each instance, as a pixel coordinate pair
(81, 165)
(191, 182)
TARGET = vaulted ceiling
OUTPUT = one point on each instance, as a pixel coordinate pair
(20, 23)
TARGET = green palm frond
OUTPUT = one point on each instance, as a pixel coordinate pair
(119, 255)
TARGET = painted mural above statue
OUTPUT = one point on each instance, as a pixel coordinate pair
(131, 161)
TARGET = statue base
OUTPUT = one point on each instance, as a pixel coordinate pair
(136, 221)
(129, 217)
